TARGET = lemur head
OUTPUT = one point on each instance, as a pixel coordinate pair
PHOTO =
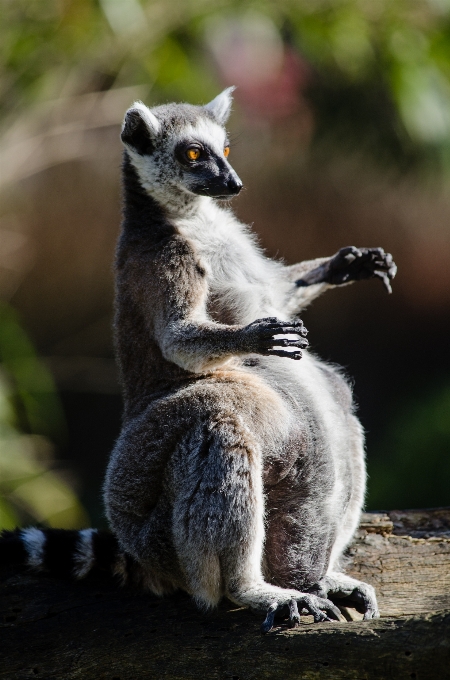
(180, 151)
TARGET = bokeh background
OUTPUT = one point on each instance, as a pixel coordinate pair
(341, 134)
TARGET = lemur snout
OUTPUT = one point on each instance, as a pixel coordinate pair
(223, 187)
(234, 186)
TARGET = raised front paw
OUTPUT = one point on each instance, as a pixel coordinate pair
(260, 337)
(354, 264)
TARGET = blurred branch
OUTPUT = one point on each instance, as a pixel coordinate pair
(401, 50)
(57, 132)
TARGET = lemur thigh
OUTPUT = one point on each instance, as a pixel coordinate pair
(357, 474)
(218, 506)
(136, 498)
(218, 520)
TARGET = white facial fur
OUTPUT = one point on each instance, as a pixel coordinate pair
(206, 132)
(160, 174)
(220, 106)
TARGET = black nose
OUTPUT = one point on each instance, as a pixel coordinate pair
(234, 186)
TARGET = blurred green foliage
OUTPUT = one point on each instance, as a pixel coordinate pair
(411, 467)
(382, 67)
(30, 490)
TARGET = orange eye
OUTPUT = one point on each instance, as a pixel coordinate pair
(226, 151)
(193, 154)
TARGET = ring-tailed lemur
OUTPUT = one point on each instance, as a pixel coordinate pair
(238, 471)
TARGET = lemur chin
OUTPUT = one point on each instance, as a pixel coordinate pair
(239, 471)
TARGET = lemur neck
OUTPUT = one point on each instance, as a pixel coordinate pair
(178, 203)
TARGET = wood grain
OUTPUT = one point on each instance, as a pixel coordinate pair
(62, 631)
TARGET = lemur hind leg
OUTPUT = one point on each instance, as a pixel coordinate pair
(348, 591)
(218, 523)
(353, 264)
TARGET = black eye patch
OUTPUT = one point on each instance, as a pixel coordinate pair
(182, 153)
(206, 157)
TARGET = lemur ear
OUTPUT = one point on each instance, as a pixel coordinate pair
(220, 107)
(139, 129)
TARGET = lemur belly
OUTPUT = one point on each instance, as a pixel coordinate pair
(242, 290)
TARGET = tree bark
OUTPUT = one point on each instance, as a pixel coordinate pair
(58, 630)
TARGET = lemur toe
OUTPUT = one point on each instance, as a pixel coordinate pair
(294, 616)
(321, 609)
(371, 614)
(268, 622)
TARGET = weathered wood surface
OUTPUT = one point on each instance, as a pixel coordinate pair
(91, 630)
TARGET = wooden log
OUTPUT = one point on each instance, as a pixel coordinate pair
(58, 630)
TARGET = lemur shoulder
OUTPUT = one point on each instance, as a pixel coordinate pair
(239, 471)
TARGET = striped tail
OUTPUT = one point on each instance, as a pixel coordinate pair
(68, 553)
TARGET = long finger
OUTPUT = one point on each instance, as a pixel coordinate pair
(285, 342)
(385, 279)
(284, 330)
(296, 355)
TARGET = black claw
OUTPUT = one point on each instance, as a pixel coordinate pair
(267, 624)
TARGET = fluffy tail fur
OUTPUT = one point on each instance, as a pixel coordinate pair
(68, 553)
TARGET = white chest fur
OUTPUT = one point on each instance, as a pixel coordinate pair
(239, 276)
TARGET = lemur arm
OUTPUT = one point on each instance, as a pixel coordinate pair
(301, 296)
(312, 277)
(173, 293)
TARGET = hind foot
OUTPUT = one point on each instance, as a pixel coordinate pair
(348, 591)
(320, 608)
(275, 601)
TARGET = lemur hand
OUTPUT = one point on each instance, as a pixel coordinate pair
(259, 337)
(354, 264)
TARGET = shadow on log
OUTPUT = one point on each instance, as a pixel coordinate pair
(57, 630)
